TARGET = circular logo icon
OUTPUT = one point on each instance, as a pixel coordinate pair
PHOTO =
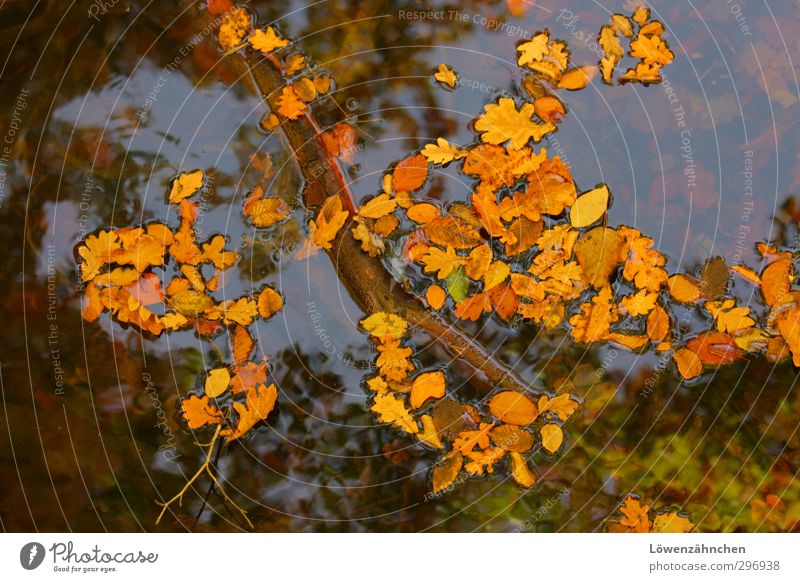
(31, 555)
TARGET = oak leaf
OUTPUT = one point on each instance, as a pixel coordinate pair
(185, 185)
(391, 410)
(198, 412)
(502, 122)
(259, 403)
(266, 41)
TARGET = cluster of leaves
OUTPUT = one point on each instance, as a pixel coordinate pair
(529, 247)
(118, 268)
(647, 46)
(472, 439)
(639, 517)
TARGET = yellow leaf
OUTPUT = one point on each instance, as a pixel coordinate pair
(640, 303)
(552, 437)
(594, 322)
(520, 471)
(534, 49)
(259, 403)
(191, 303)
(589, 207)
(264, 211)
(729, 318)
(562, 406)
(384, 324)
(266, 41)
(442, 152)
(513, 408)
(478, 262)
(423, 213)
(428, 435)
(378, 207)
(390, 409)
(688, 363)
(241, 311)
(502, 122)
(214, 251)
(217, 382)
(496, 273)
(393, 361)
(442, 261)
(444, 74)
(185, 185)
(684, 288)
(234, 26)
(671, 522)
(329, 221)
(290, 105)
(635, 515)
(444, 475)
(435, 296)
(511, 438)
(623, 24)
(293, 64)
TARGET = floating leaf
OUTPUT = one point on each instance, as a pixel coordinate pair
(444, 74)
(552, 437)
(384, 324)
(427, 385)
(513, 408)
(589, 207)
(217, 382)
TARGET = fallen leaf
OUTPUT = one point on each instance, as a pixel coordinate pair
(552, 437)
(444, 74)
(382, 324)
(427, 385)
(198, 412)
(185, 185)
(217, 382)
(589, 207)
(259, 403)
(409, 174)
(266, 41)
(513, 408)
(520, 471)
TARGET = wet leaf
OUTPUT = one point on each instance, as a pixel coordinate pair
(589, 207)
(513, 408)
(217, 382)
(425, 386)
(410, 173)
(259, 403)
(384, 324)
(502, 122)
(445, 75)
(552, 437)
(445, 474)
(198, 412)
(520, 471)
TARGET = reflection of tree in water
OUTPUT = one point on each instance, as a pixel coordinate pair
(719, 448)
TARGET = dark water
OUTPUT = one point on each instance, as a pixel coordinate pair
(98, 113)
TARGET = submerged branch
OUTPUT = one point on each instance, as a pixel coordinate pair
(369, 283)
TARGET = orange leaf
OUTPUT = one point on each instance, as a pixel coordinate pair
(269, 302)
(241, 344)
(513, 408)
(715, 347)
(435, 296)
(259, 404)
(410, 173)
(290, 105)
(198, 412)
(427, 385)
